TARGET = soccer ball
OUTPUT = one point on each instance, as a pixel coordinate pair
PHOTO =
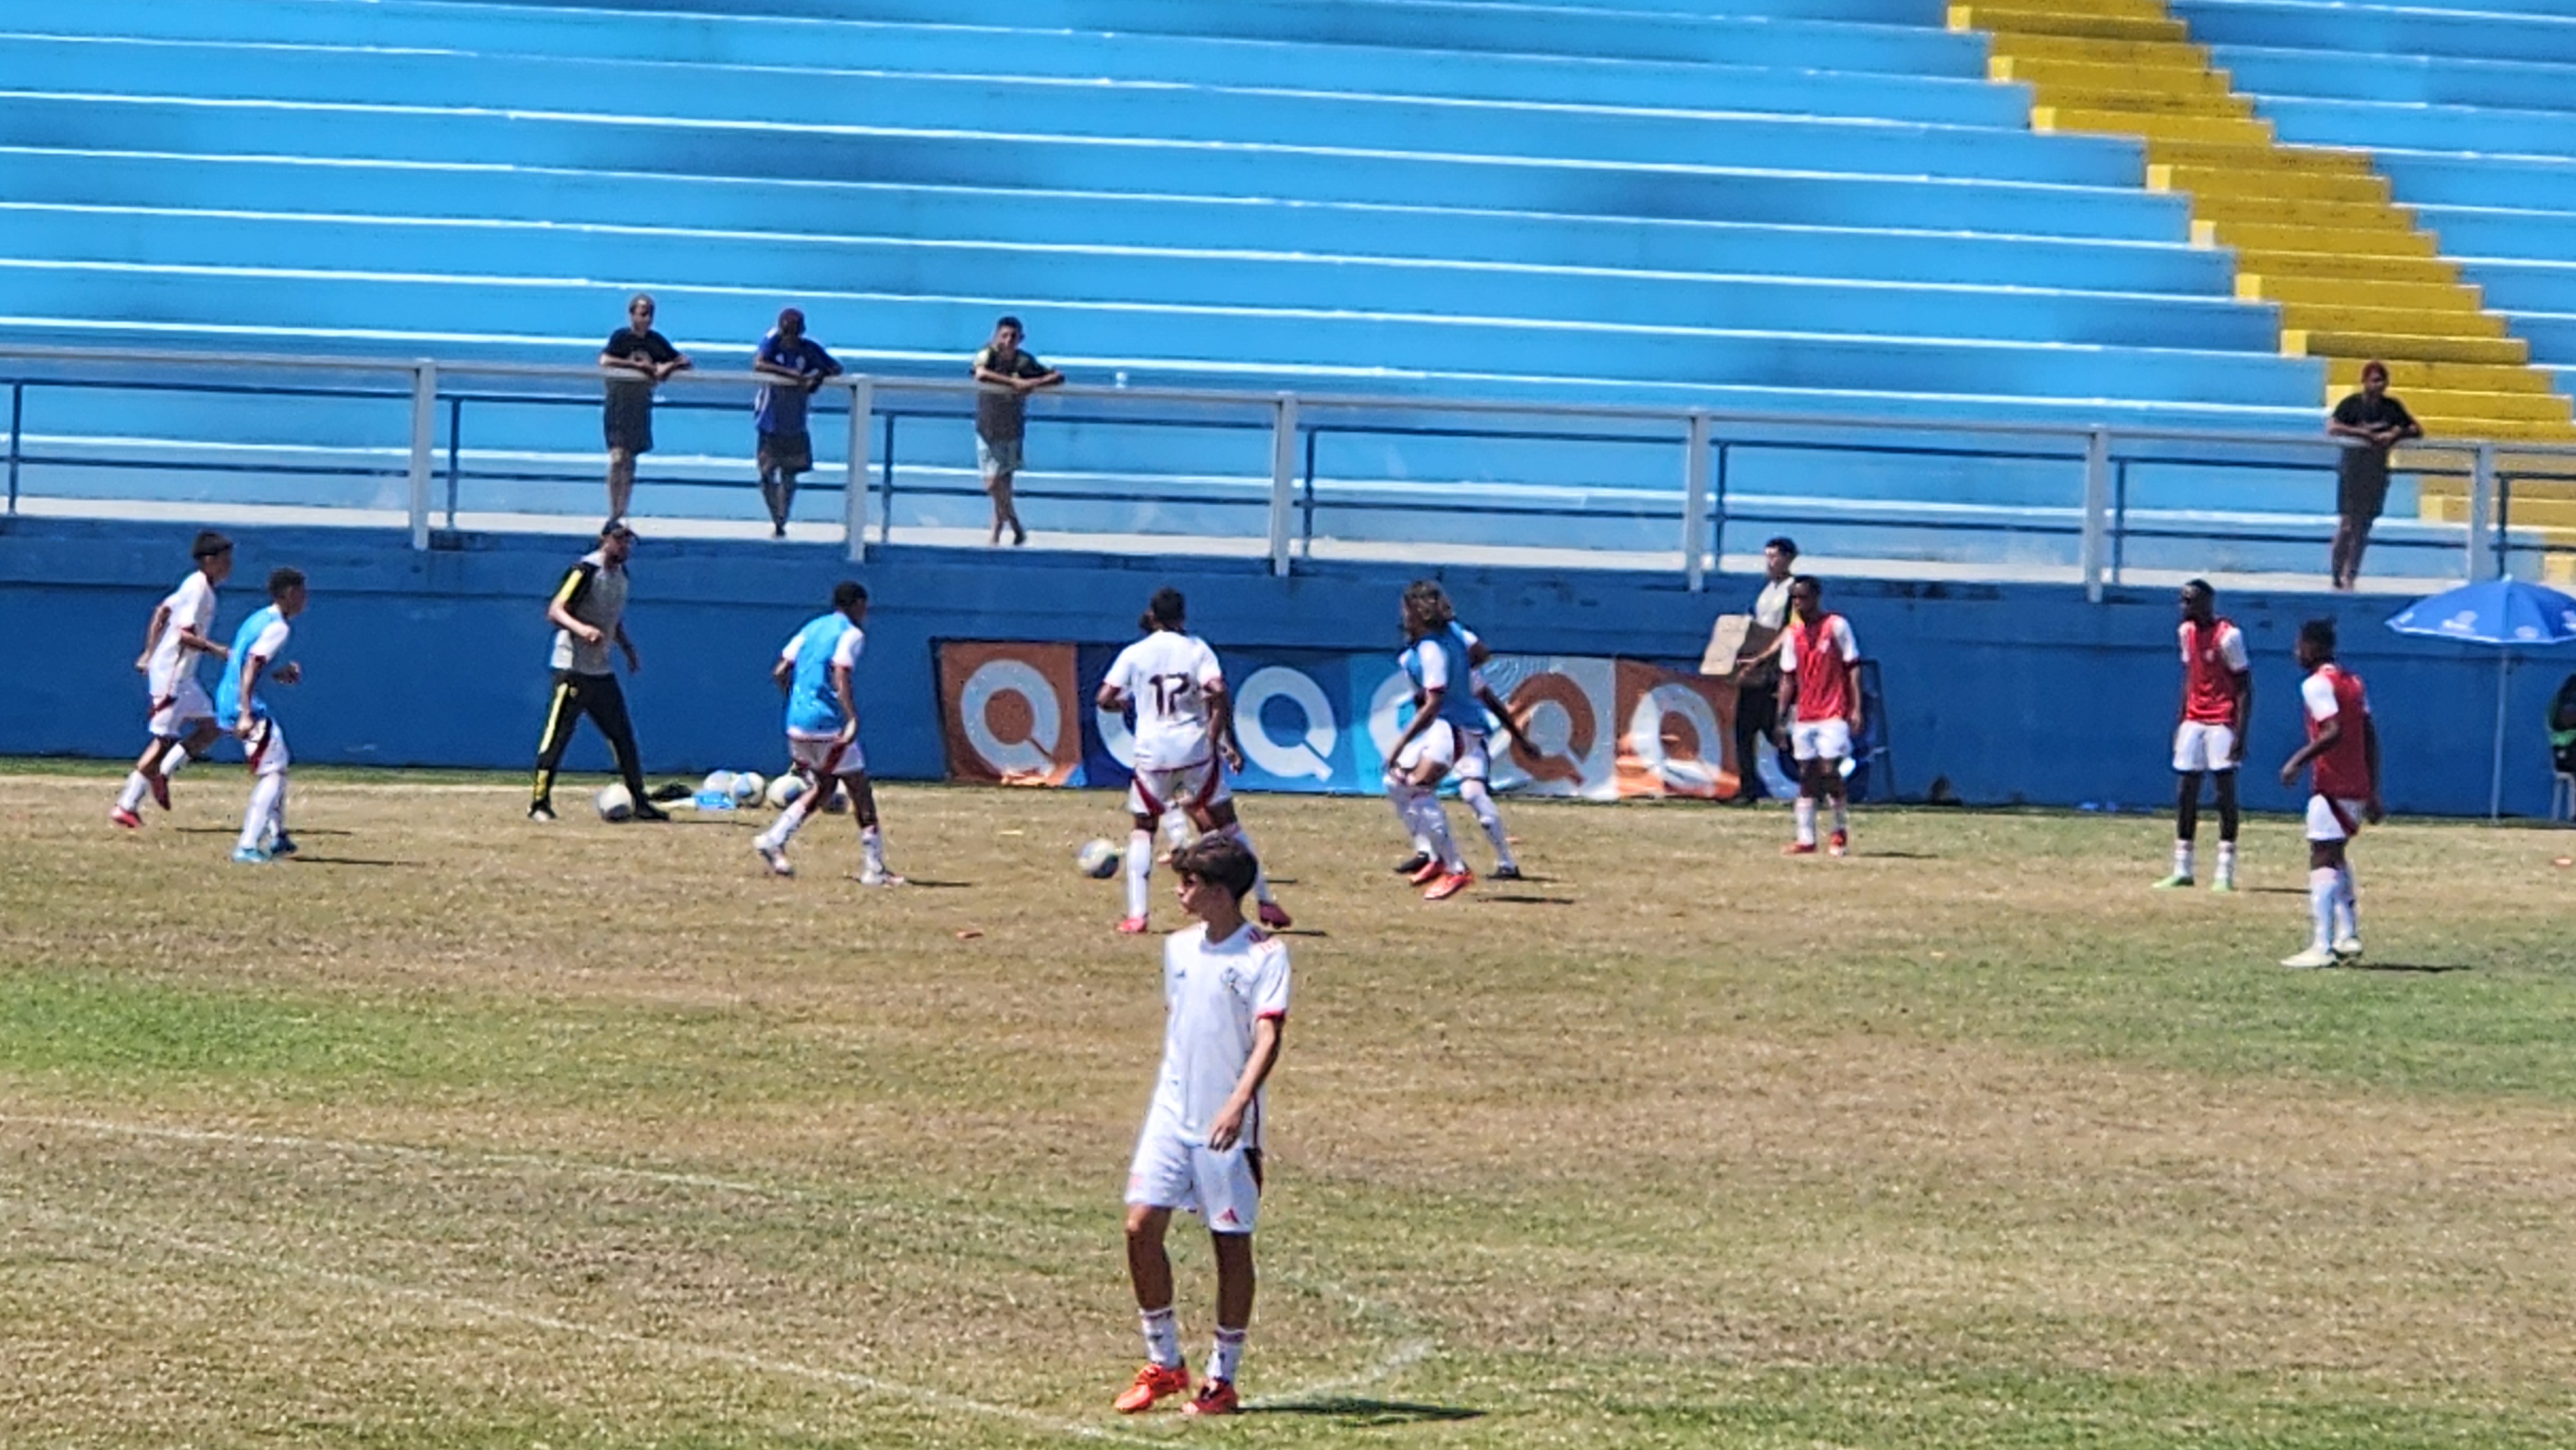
(718, 782)
(614, 803)
(836, 801)
(786, 791)
(1098, 859)
(748, 788)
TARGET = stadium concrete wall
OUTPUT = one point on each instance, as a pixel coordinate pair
(2008, 693)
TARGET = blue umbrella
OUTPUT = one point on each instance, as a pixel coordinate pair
(2505, 612)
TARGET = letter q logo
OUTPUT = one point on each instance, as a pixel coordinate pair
(1307, 757)
(1011, 715)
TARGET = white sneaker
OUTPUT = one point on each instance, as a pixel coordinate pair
(776, 856)
(2347, 949)
(2310, 959)
(879, 876)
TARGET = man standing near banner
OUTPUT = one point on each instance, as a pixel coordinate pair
(1757, 668)
(1820, 693)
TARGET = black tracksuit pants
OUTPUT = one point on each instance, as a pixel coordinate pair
(599, 697)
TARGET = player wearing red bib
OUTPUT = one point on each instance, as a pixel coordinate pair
(1821, 707)
(2217, 703)
(2342, 758)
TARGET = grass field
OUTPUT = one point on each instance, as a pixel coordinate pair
(459, 1131)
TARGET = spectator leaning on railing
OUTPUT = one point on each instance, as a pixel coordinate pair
(1001, 417)
(637, 358)
(798, 364)
(2379, 422)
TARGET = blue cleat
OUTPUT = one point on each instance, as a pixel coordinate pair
(281, 845)
(249, 856)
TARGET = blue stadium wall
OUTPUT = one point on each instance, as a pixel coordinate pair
(2014, 693)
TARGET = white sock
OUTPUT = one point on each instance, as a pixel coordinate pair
(1228, 1355)
(1162, 1335)
(1176, 829)
(1260, 877)
(1407, 803)
(1435, 824)
(130, 799)
(1481, 801)
(2226, 861)
(2324, 884)
(262, 812)
(171, 760)
(2347, 905)
(1842, 815)
(872, 848)
(1806, 820)
(1140, 865)
(2182, 858)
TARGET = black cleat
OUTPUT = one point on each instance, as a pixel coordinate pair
(1506, 873)
(1411, 864)
(647, 811)
(541, 811)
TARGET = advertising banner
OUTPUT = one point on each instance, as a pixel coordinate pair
(1312, 720)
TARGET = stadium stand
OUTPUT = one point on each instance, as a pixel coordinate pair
(1818, 206)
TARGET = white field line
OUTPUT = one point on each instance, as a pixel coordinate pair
(683, 1349)
(1412, 1346)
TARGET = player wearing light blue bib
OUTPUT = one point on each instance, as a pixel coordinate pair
(1445, 709)
(239, 707)
(816, 670)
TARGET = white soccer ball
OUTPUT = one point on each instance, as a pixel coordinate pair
(614, 803)
(1098, 859)
(748, 787)
(786, 791)
(836, 801)
(718, 782)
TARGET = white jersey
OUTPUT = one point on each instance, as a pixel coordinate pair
(192, 607)
(1166, 675)
(1213, 994)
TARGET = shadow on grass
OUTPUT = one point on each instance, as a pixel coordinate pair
(1361, 1413)
(923, 884)
(1523, 899)
(2414, 968)
(300, 832)
(306, 858)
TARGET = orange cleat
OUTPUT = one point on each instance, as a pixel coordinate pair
(1216, 1397)
(128, 819)
(1428, 872)
(1449, 885)
(1838, 844)
(1133, 926)
(1799, 848)
(1274, 916)
(1153, 1382)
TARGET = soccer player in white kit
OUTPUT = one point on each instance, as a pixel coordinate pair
(1225, 996)
(182, 718)
(815, 670)
(254, 662)
(1184, 722)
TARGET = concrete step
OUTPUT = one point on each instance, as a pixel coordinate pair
(2122, 9)
(2214, 181)
(2329, 241)
(2266, 156)
(2142, 100)
(2553, 519)
(2301, 342)
(2205, 130)
(2351, 216)
(2527, 407)
(2439, 297)
(2297, 261)
(2003, 22)
(2352, 317)
(2102, 52)
(2045, 72)
(2407, 376)
(2522, 429)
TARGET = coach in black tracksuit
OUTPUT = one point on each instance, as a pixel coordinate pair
(588, 610)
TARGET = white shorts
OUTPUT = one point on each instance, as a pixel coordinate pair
(1475, 758)
(265, 748)
(2333, 819)
(827, 756)
(179, 707)
(1153, 792)
(1437, 744)
(1820, 739)
(2199, 746)
(1173, 1170)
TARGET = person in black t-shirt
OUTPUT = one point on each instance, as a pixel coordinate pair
(2378, 422)
(1002, 417)
(637, 358)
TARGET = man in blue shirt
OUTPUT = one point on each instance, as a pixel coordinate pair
(797, 364)
(815, 670)
(240, 708)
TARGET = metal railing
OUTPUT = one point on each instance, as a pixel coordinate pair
(1285, 495)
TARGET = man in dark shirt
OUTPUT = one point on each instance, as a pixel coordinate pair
(588, 611)
(2378, 422)
(1001, 417)
(796, 365)
(637, 358)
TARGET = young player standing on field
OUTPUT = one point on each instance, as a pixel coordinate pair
(814, 671)
(2342, 755)
(254, 662)
(1444, 708)
(1820, 699)
(1225, 996)
(1184, 721)
(2217, 706)
(1473, 766)
(182, 719)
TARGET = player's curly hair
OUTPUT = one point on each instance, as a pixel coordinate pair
(1427, 604)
